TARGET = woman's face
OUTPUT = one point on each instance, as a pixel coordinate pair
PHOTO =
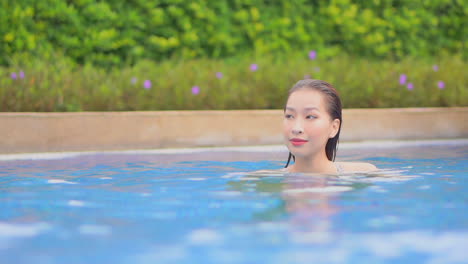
(307, 125)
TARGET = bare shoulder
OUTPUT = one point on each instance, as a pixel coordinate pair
(357, 166)
(282, 170)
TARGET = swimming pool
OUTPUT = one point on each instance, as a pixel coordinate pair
(206, 207)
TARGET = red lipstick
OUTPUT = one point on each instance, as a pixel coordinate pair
(298, 141)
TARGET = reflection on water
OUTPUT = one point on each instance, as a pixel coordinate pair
(306, 202)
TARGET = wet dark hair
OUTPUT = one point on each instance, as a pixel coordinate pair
(333, 107)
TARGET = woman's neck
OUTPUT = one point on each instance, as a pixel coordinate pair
(319, 164)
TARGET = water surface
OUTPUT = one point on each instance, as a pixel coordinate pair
(210, 207)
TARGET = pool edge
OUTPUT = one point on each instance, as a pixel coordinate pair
(263, 148)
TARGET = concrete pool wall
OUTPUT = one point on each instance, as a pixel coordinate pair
(100, 131)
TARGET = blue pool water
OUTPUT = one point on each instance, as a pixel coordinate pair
(208, 207)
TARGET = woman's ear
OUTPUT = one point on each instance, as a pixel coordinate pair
(335, 128)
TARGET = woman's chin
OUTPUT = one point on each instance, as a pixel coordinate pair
(298, 151)
(297, 154)
(301, 153)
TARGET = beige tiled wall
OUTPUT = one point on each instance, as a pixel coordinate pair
(42, 132)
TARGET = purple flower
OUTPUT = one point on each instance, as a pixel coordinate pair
(195, 90)
(13, 76)
(402, 79)
(312, 54)
(134, 80)
(253, 67)
(219, 75)
(21, 74)
(435, 68)
(441, 84)
(410, 86)
(307, 76)
(147, 84)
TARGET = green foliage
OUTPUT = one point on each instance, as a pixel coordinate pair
(117, 32)
(59, 84)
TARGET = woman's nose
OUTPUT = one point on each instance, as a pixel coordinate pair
(297, 128)
(297, 131)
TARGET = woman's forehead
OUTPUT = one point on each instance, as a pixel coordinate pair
(306, 98)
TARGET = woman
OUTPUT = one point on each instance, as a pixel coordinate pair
(311, 129)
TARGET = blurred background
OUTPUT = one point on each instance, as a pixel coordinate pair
(117, 55)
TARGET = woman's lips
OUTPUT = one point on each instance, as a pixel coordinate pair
(298, 141)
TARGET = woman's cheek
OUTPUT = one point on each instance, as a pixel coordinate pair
(285, 132)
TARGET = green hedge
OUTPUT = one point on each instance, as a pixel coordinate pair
(122, 32)
(59, 84)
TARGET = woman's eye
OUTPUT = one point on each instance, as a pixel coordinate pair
(288, 116)
(311, 117)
